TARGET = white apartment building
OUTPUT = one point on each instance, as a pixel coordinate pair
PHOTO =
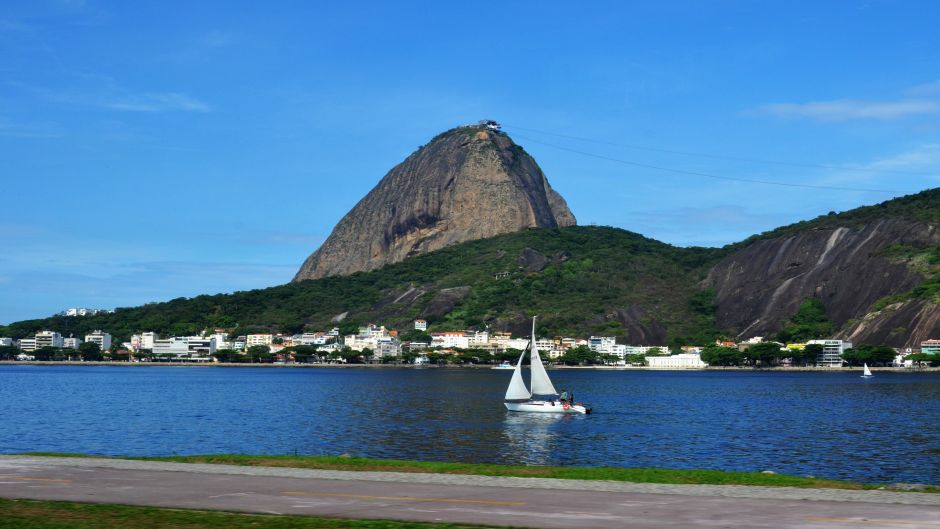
(259, 339)
(645, 349)
(71, 343)
(448, 339)
(48, 339)
(930, 347)
(82, 311)
(421, 325)
(478, 338)
(601, 344)
(318, 338)
(185, 347)
(679, 361)
(831, 355)
(27, 344)
(101, 338)
(6, 342)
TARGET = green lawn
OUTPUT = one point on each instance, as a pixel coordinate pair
(633, 475)
(29, 514)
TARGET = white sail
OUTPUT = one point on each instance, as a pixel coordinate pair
(867, 371)
(517, 389)
(541, 384)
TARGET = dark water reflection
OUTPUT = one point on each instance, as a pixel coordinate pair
(825, 424)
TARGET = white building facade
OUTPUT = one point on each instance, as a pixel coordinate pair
(679, 361)
(101, 338)
(831, 355)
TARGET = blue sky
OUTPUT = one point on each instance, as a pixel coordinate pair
(152, 150)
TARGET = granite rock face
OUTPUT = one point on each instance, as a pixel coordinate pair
(468, 183)
(759, 287)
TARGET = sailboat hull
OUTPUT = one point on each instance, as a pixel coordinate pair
(542, 406)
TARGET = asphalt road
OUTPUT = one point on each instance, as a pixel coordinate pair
(459, 499)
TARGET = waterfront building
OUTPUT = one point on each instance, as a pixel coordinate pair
(601, 344)
(831, 356)
(478, 338)
(259, 339)
(142, 341)
(101, 338)
(930, 347)
(421, 325)
(71, 342)
(6, 342)
(195, 348)
(314, 338)
(48, 339)
(27, 344)
(450, 339)
(679, 361)
(630, 350)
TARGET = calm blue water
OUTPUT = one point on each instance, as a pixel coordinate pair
(826, 424)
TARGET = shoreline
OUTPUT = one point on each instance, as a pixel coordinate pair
(743, 369)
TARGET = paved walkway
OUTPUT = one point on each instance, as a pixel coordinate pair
(532, 502)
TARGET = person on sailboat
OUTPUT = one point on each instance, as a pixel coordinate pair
(564, 396)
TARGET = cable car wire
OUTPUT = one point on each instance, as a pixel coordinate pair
(706, 175)
(721, 156)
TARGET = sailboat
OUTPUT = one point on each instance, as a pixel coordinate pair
(867, 372)
(519, 398)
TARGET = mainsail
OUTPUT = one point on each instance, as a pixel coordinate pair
(541, 384)
(517, 389)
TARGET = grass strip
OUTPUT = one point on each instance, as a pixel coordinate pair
(32, 514)
(631, 475)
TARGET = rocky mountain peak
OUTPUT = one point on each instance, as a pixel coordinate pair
(468, 183)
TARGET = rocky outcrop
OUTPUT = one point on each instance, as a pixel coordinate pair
(760, 286)
(903, 324)
(468, 183)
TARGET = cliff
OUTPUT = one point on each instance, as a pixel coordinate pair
(865, 265)
(468, 183)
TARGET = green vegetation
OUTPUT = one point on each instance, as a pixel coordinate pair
(923, 206)
(71, 515)
(924, 260)
(631, 475)
(594, 277)
(809, 323)
(869, 354)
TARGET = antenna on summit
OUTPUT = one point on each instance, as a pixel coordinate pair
(489, 124)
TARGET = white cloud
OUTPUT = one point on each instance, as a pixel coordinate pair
(925, 89)
(155, 102)
(848, 109)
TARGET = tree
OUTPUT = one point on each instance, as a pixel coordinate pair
(90, 351)
(46, 353)
(303, 353)
(579, 355)
(367, 354)
(881, 354)
(8, 352)
(717, 355)
(228, 355)
(657, 351)
(261, 353)
(811, 352)
(924, 358)
(809, 322)
(765, 353)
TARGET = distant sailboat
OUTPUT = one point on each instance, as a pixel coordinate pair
(518, 396)
(867, 372)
